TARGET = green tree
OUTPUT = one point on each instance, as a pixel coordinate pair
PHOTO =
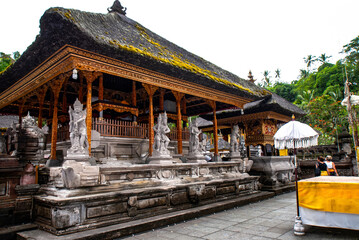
(266, 78)
(327, 115)
(277, 73)
(285, 90)
(7, 60)
(309, 60)
(352, 51)
(324, 58)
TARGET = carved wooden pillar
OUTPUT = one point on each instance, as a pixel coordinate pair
(100, 93)
(215, 129)
(150, 91)
(162, 97)
(90, 77)
(184, 108)
(64, 98)
(133, 97)
(41, 93)
(56, 85)
(81, 97)
(179, 97)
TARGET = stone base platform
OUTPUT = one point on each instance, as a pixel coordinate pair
(127, 194)
(136, 226)
(277, 190)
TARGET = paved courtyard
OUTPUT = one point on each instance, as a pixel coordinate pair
(269, 219)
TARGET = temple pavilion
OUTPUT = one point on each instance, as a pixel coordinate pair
(123, 73)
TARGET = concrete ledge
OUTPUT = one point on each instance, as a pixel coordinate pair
(128, 228)
(10, 232)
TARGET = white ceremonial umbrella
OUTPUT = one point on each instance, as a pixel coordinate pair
(293, 135)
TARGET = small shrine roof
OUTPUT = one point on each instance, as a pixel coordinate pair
(116, 36)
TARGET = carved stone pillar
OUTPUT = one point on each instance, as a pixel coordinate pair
(150, 91)
(90, 77)
(56, 85)
(215, 129)
(41, 93)
(179, 97)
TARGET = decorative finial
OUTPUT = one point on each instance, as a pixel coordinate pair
(117, 7)
(293, 117)
(250, 77)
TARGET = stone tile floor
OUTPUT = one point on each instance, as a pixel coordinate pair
(270, 219)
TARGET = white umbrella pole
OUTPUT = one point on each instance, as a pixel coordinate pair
(298, 225)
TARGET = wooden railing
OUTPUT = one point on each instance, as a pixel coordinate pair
(117, 128)
(173, 134)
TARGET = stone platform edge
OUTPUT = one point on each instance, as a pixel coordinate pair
(136, 226)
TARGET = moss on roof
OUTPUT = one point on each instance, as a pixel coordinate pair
(120, 37)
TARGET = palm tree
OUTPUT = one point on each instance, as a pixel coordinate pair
(305, 98)
(266, 78)
(303, 73)
(309, 60)
(324, 58)
(277, 73)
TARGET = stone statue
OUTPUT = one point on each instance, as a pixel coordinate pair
(31, 141)
(161, 140)
(194, 146)
(78, 130)
(235, 137)
(117, 7)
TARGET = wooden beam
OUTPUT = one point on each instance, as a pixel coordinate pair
(179, 97)
(215, 128)
(56, 85)
(41, 94)
(90, 78)
(150, 91)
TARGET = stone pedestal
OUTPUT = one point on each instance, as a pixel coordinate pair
(160, 158)
(196, 158)
(275, 172)
(235, 157)
(74, 174)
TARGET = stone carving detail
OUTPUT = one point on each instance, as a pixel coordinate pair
(161, 154)
(235, 137)
(30, 140)
(74, 174)
(160, 146)
(78, 131)
(194, 147)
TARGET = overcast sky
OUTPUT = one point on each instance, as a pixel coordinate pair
(237, 35)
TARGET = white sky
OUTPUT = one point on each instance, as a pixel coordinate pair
(237, 35)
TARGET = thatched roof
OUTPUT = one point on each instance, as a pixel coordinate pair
(117, 36)
(273, 102)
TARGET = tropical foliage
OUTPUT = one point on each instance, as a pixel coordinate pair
(319, 90)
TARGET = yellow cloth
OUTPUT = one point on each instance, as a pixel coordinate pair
(323, 173)
(333, 196)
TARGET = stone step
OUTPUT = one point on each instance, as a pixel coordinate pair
(132, 227)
